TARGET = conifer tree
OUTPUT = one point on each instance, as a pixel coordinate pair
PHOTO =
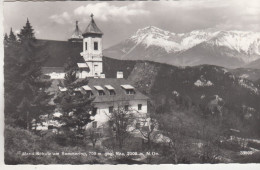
(25, 89)
(27, 32)
(12, 38)
(5, 38)
(75, 105)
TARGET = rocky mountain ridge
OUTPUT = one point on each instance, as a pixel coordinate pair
(210, 46)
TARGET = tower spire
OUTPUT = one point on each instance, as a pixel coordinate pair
(92, 28)
(77, 34)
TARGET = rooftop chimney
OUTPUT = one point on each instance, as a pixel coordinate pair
(119, 75)
(102, 75)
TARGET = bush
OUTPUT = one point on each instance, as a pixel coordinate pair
(229, 145)
(254, 158)
(19, 140)
(254, 145)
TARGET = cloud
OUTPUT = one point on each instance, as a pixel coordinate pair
(242, 15)
(17, 32)
(196, 4)
(107, 12)
(61, 18)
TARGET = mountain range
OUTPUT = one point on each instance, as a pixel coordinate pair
(230, 49)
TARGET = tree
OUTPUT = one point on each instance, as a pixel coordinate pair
(210, 133)
(148, 131)
(121, 122)
(75, 105)
(93, 135)
(174, 134)
(12, 38)
(25, 88)
(26, 32)
(5, 38)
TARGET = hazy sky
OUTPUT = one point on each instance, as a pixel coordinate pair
(119, 20)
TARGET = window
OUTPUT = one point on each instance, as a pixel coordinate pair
(110, 109)
(130, 91)
(101, 93)
(86, 46)
(139, 106)
(95, 67)
(89, 93)
(94, 110)
(94, 124)
(95, 45)
(126, 107)
(112, 92)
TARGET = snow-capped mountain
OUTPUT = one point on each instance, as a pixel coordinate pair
(209, 46)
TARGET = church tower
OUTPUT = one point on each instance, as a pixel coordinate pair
(77, 35)
(92, 49)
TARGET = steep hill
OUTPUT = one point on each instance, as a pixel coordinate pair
(224, 48)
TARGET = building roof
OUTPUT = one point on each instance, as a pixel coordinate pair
(127, 86)
(99, 88)
(120, 93)
(92, 28)
(86, 87)
(97, 84)
(109, 87)
(77, 34)
(58, 52)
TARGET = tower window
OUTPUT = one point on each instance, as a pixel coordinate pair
(95, 45)
(86, 46)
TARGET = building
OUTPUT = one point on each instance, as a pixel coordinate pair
(92, 50)
(109, 93)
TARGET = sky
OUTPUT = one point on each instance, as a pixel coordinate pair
(118, 20)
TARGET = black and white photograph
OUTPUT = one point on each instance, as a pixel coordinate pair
(131, 82)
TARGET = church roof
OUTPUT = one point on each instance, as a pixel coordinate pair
(92, 28)
(77, 33)
(58, 52)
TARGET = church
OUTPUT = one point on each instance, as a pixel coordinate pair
(109, 93)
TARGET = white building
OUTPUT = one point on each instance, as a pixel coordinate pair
(92, 50)
(109, 93)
